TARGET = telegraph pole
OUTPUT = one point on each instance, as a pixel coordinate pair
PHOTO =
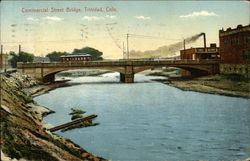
(1, 80)
(127, 47)
(123, 52)
(1, 57)
(184, 51)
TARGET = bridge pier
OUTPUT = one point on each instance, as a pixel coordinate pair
(127, 78)
(45, 72)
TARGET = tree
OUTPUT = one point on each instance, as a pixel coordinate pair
(21, 57)
(96, 54)
(55, 56)
(25, 57)
(14, 59)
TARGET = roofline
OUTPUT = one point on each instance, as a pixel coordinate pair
(75, 55)
(201, 48)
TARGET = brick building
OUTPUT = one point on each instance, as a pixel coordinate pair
(235, 50)
(4, 61)
(211, 52)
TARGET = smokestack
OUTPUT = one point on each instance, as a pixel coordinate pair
(204, 37)
(184, 45)
(168, 49)
(19, 49)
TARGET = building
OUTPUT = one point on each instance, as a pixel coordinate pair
(235, 50)
(201, 53)
(4, 61)
(211, 52)
(39, 59)
(75, 58)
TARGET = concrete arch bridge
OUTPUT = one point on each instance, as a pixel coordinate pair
(45, 72)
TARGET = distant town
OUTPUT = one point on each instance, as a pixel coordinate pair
(233, 52)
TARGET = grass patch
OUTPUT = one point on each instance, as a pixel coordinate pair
(15, 145)
(235, 77)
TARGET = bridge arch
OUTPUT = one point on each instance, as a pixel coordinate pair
(49, 75)
(193, 70)
(127, 68)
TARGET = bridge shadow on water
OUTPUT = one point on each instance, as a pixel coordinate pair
(67, 83)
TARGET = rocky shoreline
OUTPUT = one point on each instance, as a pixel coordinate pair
(23, 134)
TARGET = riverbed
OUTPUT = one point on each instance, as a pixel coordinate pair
(149, 120)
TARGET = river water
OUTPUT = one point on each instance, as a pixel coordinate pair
(148, 120)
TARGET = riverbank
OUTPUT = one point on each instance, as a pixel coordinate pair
(228, 85)
(23, 134)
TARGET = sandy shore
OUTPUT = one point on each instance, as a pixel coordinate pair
(228, 85)
(212, 85)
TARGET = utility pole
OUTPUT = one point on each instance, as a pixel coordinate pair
(1, 79)
(1, 57)
(123, 52)
(127, 47)
(6, 62)
(184, 46)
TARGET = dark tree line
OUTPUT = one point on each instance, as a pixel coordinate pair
(21, 57)
(96, 54)
(54, 56)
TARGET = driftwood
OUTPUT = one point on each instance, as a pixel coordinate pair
(72, 123)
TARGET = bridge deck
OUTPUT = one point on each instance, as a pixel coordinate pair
(117, 63)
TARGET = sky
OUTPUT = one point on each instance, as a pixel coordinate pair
(41, 27)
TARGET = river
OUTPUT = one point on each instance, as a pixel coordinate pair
(149, 120)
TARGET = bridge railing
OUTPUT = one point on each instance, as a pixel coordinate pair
(115, 63)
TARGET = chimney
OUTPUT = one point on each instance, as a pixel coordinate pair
(204, 37)
(184, 44)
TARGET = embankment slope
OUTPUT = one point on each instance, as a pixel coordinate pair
(23, 134)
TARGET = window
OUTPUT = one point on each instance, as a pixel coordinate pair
(246, 54)
(247, 39)
(235, 41)
(225, 41)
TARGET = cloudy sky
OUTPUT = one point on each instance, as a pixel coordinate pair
(42, 27)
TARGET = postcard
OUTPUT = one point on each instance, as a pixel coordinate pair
(125, 80)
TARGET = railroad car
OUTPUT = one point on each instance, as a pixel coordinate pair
(76, 58)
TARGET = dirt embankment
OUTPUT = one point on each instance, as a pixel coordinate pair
(23, 135)
(230, 85)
